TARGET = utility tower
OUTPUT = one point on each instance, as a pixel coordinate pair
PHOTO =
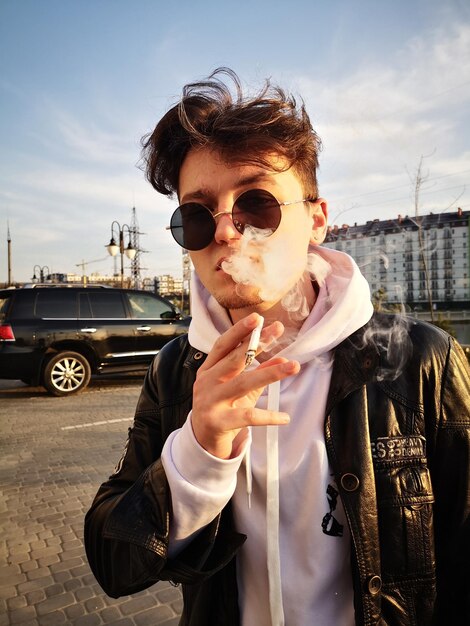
(9, 254)
(135, 264)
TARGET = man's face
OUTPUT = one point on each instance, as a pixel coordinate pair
(206, 179)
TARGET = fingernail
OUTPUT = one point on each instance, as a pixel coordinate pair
(252, 320)
(266, 343)
(289, 367)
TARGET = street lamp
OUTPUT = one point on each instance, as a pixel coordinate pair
(41, 273)
(113, 248)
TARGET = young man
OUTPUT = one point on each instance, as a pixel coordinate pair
(327, 482)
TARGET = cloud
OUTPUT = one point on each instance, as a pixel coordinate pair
(377, 122)
(69, 169)
(91, 141)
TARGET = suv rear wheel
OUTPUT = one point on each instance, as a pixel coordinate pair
(66, 373)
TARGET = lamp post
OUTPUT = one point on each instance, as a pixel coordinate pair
(41, 273)
(113, 248)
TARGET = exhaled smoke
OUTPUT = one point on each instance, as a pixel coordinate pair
(294, 301)
(260, 264)
(388, 334)
(385, 260)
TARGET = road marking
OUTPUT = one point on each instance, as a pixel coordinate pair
(101, 423)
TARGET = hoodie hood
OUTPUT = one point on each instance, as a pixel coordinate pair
(343, 305)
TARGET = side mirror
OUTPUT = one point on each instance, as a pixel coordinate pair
(170, 315)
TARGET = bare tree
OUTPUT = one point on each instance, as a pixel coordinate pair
(419, 179)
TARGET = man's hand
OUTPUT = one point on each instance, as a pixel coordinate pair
(224, 395)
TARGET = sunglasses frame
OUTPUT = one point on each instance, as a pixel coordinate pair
(215, 215)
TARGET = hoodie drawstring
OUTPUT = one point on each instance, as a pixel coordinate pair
(272, 512)
(272, 508)
(248, 471)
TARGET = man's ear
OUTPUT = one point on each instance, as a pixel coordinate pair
(320, 221)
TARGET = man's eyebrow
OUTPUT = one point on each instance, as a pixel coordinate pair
(197, 194)
(250, 179)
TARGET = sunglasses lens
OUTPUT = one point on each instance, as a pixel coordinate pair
(257, 208)
(192, 226)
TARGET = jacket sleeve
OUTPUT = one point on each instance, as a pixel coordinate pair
(127, 526)
(201, 485)
(451, 484)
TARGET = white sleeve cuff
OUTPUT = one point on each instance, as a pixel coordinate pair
(200, 483)
(200, 468)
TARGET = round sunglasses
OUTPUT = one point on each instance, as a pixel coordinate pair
(193, 225)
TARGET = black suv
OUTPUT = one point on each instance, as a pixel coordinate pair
(59, 336)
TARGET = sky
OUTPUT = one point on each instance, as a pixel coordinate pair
(386, 85)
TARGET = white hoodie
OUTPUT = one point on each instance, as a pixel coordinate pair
(294, 567)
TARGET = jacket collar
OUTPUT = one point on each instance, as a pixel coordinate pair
(355, 363)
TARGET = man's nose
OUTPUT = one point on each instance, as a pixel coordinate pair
(225, 229)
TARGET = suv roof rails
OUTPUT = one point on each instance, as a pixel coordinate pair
(65, 285)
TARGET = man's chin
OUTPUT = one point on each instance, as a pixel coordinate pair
(242, 297)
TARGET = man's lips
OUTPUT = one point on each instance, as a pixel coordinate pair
(218, 266)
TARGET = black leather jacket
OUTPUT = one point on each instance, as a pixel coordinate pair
(400, 452)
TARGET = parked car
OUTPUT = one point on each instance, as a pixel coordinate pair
(59, 336)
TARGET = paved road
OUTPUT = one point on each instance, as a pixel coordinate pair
(54, 453)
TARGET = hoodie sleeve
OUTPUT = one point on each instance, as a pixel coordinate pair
(200, 483)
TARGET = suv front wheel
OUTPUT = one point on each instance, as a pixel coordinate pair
(66, 373)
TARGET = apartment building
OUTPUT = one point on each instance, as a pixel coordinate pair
(94, 277)
(169, 285)
(412, 259)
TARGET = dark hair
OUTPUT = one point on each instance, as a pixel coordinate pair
(241, 130)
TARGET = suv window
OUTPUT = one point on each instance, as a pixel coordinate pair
(56, 304)
(4, 302)
(105, 304)
(149, 307)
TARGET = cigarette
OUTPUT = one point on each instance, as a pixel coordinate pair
(253, 343)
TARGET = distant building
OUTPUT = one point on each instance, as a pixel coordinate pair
(115, 279)
(167, 285)
(94, 278)
(412, 259)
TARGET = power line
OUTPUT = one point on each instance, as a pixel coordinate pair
(375, 204)
(370, 193)
(423, 193)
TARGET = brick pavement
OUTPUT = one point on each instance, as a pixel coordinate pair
(54, 453)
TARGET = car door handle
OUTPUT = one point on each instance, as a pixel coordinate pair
(144, 328)
(88, 330)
